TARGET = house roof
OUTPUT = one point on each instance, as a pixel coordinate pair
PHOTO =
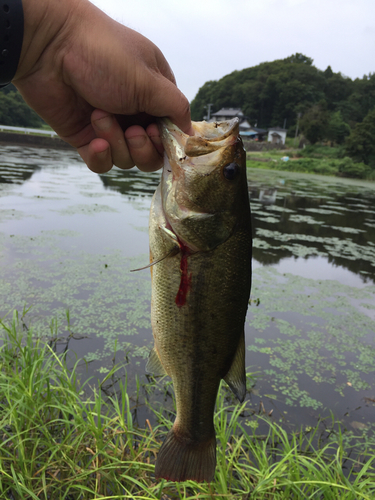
(228, 112)
(245, 125)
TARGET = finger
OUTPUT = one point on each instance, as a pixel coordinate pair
(142, 149)
(154, 134)
(176, 107)
(106, 127)
(97, 156)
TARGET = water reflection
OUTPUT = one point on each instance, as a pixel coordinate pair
(294, 215)
(308, 218)
(267, 196)
(132, 182)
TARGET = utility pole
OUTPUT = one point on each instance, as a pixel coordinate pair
(208, 107)
(295, 137)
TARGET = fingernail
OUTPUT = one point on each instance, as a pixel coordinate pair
(104, 123)
(136, 142)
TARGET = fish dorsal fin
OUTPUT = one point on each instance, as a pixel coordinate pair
(172, 252)
(154, 366)
(236, 376)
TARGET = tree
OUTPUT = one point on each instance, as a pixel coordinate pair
(274, 91)
(360, 145)
(337, 129)
(15, 112)
(348, 168)
(337, 89)
(314, 123)
(299, 59)
(8, 88)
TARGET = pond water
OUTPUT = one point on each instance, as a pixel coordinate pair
(69, 238)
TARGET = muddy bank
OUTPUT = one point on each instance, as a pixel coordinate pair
(33, 140)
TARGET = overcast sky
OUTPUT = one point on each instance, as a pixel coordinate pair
(207, 39)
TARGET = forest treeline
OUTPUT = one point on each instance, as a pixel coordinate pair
(15, 112)
(326, 105)
(272, 92)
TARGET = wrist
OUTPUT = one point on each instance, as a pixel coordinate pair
(45, 27)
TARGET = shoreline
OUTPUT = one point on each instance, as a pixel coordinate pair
(29, 140)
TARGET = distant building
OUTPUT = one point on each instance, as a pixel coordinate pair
(277, 135)
(244, 125)
(246, 130)
(227, 114)
(255, 133)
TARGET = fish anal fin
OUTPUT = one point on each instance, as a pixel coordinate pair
(236, 376)
(154, 366)
(180, 459)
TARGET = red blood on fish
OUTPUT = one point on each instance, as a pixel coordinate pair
(185, 282)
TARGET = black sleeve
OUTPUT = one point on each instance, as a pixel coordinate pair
(11, 37)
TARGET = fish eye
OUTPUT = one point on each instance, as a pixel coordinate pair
(230, 171)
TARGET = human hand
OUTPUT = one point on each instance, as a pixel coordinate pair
(98, 84)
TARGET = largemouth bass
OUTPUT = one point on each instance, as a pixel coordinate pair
(200, 252)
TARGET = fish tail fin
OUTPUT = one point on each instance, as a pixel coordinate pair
(180, 459)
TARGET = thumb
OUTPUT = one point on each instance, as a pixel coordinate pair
(168, 101)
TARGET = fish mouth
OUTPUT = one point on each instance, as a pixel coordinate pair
(208, 137)
(173, 139)
(188, 159)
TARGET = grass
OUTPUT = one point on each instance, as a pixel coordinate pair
(319, 151)
(317, 159)
(57, 443)
(304, 165)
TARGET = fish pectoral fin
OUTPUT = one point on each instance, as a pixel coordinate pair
(154, 366)
(173, 251)
(236, 376)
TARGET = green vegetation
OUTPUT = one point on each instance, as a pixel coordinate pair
(292, 351)
(61, 440)
(361, 144)
(313, 159)
(338, 130)
(318, 124)
(15, 112)
(328, 107)
(314, 123)
(272, 92)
